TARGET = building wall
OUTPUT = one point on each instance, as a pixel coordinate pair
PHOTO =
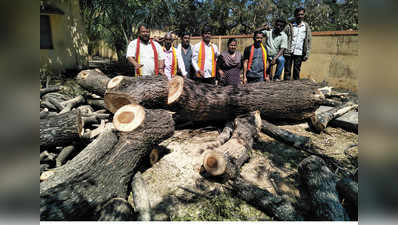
(69, 39)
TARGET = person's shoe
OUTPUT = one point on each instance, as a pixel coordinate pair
(277, 79)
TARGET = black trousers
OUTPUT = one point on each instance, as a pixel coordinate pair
(296, 60)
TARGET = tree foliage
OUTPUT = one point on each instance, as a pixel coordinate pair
(116, 22)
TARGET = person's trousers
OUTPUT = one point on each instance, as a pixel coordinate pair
(280, 63)
(254, 79)
(296, 60)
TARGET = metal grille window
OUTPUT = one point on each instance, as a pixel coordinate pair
(46, 41)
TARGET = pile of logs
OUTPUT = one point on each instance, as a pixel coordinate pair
(92, 145)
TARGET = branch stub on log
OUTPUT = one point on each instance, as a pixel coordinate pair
(214, 163)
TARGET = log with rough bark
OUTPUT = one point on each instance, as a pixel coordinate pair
(63, 155)
(71, 103)
(96, 103)
(285, 136)
(274, 205)
(320, 183)
(94, 81)
(140, 197)
(149, 91)
(116, 209)
(61, 129)
(103, 169)
(296, 99)
(227, 159)
(318, 122)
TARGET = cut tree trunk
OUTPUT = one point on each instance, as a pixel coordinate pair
(319, 122)
(104, 168)
(61, 129)
(150, 92)
(349, 190)
(296, 99)
(320, 184)
(229, 157)
(276, 206)
(94, 81)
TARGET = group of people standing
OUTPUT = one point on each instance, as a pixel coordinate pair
(285, 45)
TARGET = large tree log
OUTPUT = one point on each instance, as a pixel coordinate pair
(297, 100)
(61, 129)
(104, 168)
(348, 189)
(319, 122)
(150, 92)
(274, 205)
(320, 183)
(229, 157)
(94, 81)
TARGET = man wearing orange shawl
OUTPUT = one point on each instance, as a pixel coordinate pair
(173, 61)
(146, 55)
(204, 55)
(255, 61)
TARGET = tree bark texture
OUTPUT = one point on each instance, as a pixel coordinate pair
(285, 136)
(60, 130)
(348, 189)
(320, 183)
(116, 209)
(297, 100)
(149, 91)
(44, 91)
(273, 205)
(102, 170)
(141, 198)
(94, 81)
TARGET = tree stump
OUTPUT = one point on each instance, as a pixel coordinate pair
(60, 130)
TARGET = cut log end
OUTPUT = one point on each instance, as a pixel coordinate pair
(115, 102)
(128, 117)
(83, 74)
(154, 156)
(175, 89)
(114, 82)
(214, 163)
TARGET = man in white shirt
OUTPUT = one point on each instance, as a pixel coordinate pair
(146, 55)
(185, 50)
(204, 55)
(173, 61)
(299, 44)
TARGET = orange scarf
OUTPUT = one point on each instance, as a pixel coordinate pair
(264, 59)
(137, 56)
(173, 61)
(201, 60)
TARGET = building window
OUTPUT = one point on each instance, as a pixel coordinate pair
(46, 41)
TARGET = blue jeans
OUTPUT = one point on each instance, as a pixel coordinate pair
(280, 64)
(254, 79)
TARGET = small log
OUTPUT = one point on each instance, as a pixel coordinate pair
(226, 133)
(63, 155)
(276, 206)
(47, 157)
(116, 209)
(319, 122)
(48, 105)
(326, 90)
(96, 103)
(94, 81)
(55, 103)
(200, 102)
(72, 193)
(331, 102)
(43, 168)
(149, 92)
(320, 184)
(61, 129)
(229, 157)
(69, 104)
(94, 118)
(44, 91)
(56, 96)
(85, 109)
(285, 136)
(141, 198)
